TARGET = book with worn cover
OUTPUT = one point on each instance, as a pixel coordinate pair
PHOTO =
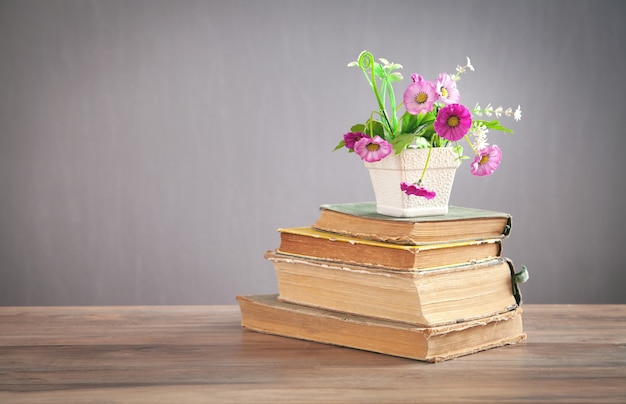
(362, 221)
(312, 243)
(426, 297)
(266, 314)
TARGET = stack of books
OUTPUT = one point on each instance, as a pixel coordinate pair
(430, 288)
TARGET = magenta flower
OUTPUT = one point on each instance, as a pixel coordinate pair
(351, 138)
(453, 122)
(487, 160)
(419, 96)
(414, 189)
(446, 88)
(372, 149)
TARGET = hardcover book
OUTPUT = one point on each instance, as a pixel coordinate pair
(426, 297)
(312, 243)
(266, 314)
(360, 220)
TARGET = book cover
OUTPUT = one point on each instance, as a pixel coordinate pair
(312, 243)
(266, 314)
(362, 221)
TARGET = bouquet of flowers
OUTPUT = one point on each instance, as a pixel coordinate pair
(433, 117)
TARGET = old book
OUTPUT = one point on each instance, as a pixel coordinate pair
(312, 243)
(427, 297)
(361, 220)
(266, 314)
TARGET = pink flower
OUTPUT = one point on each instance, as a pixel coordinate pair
(351, 138)
(419, 96)
(487, 160)
(453, 122)
(414, 189)
(372, 149)
(446, 88)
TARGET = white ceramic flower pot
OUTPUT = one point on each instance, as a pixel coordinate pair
(387, 174)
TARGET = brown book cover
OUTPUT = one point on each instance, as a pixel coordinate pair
(427, 298)
(266, 314)
(362, 221)
(312, 243)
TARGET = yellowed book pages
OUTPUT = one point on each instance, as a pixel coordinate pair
(427, 298)
(266, 314)
(308, 242)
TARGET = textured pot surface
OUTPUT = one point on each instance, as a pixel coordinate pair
(387, 174)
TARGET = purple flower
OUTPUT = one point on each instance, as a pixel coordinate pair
(419, 96)
(372, 149)
(351, 138)
(446, 88)
(414, 189)
(486, 161)
(453, 122)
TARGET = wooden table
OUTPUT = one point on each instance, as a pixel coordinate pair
(186, 354)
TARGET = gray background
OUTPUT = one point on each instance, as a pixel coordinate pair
(149, 150)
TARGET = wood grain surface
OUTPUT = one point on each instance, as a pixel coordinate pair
(189, 354)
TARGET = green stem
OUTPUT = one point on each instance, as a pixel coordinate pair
(430, 149)
(471, 145)
(370, 63)
(392, 102)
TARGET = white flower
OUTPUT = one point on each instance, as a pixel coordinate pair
(518, 113)
(498, 111)
(478, 110)
(389, 65)
(488, 110)
(479, 132)
(461, 69)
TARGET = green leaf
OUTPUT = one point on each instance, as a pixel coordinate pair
(409, 123)
(425, 119)
(378, 70)
(458, 149)
(395, 76)
(374, 128)
(421, 142)
(359, 127)
(426, 130)
(341, 145)
(495, 125)
(402, 141)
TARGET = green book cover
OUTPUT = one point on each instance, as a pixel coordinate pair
(368, 210)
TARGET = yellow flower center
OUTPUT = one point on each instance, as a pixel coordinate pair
(453, 121)
(484, 159)
(372, 147)
(421, 98)
(444, 92)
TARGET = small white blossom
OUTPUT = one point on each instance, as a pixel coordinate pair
(488, 110)
(508, 112)
(518, 113)
(477, 110)
(461, 69)
(498, 111)
(389, 65)
(479, 133)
